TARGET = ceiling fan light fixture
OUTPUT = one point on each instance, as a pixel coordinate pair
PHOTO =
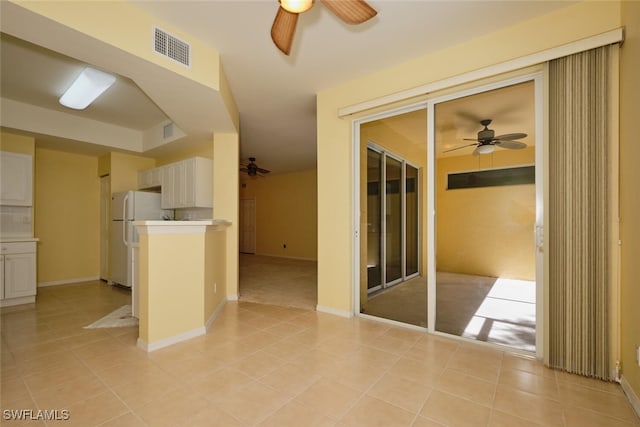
(296, 6)
(486, 149)
(88, 86)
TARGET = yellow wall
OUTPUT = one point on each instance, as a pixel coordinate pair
(201, 150)
(286, 213)
(171, 285)
(17, 143)
(335, 162)
(67, 215)
(124, 170)
(96, 20)
(226, 157)
(629, 193)
(486, 231)
(215, 272)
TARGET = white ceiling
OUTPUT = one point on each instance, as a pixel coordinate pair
(275, 94)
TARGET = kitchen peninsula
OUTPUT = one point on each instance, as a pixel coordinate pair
(181, 279)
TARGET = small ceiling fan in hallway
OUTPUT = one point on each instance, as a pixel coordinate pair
(252, 168)
(487, 141)
(286, 20)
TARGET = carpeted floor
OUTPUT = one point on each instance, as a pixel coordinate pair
(482, 308)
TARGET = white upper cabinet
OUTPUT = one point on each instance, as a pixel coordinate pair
(188, 184)
(16, 179)
(150, 178)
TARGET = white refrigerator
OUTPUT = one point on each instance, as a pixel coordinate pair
(127, 207)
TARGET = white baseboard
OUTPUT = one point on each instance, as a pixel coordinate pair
(68, 281)
(233, 297)
(288, 257)
(215, 314)
(166, 342)
(334, 311)
(631, 395)
(17, 301)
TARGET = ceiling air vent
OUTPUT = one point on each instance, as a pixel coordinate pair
(172, 47)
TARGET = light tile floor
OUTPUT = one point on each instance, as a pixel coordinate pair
(278, 281)
(264, 365)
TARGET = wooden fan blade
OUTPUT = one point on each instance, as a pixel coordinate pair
(458, 148)
(244, 170)
(263, 170)
(513, 145)
(283, 29)
(511, 136)
(351, 11)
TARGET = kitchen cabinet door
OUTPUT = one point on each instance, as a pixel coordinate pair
(19, 275)
(168, 199)
(16, 179)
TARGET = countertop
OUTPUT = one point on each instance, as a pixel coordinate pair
(18, 239)
(177, 223)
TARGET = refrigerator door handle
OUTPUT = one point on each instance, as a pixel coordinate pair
(124, 219)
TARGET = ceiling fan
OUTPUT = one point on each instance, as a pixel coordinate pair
(284, 25)
(487, 141)
(252, 169)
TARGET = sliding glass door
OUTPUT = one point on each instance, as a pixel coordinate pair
(392, 219)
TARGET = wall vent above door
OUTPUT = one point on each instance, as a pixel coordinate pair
(172, 47)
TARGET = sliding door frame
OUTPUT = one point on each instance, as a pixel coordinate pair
(541, 174)
(538, 76)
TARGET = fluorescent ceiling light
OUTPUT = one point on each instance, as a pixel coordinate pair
(89, 85)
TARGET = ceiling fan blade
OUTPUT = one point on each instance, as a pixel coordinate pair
(351, 11)
(244, 170)
(283, 29)
(512, 145)
(262, 170)
(458, 148)
(510, 136)
(470, 139)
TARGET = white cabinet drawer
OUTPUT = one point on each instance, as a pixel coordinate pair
(18, 247)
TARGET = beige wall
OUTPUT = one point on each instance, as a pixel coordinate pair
(335, 162)
(629, 192)
(66, 215)
(486, 231)
(286, 213)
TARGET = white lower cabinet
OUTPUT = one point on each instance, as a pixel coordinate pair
(18, 276)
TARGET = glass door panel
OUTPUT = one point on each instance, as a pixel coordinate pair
(393, 220)
(374, 220)
(411, 221)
